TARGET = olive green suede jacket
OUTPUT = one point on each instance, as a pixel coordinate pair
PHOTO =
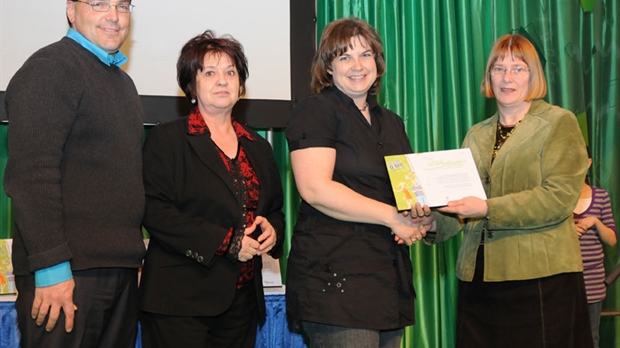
(532, 188)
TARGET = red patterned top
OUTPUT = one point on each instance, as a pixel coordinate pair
(246, 185)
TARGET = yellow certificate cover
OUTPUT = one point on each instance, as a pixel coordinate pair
(433, 178)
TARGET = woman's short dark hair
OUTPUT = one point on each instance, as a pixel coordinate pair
(518, 47)
(335, 41)
(193, 54)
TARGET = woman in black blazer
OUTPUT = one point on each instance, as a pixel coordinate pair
(213, 207)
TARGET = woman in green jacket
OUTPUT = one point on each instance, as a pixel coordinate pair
(519, 265)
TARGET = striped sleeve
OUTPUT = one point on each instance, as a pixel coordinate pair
(601, 198)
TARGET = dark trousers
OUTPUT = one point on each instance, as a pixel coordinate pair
(549, 312)
(235, 328)
(107, 314)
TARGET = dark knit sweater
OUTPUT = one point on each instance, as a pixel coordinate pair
(74, 170)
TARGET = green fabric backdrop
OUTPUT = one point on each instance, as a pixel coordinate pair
(6, 218)
(436, 53)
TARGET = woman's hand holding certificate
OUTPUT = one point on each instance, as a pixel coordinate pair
(433, 178)
(468, 207)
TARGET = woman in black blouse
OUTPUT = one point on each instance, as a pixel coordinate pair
(213, 207)
(349, 279)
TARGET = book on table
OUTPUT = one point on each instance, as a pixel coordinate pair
(7, 280)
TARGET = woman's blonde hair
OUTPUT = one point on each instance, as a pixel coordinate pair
(519, 48)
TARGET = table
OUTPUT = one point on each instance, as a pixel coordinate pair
(275, 333)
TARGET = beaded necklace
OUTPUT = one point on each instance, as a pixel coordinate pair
(502, 135)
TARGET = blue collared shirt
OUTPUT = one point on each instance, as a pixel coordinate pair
(117, 59)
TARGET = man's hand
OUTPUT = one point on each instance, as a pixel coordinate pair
(49, 300)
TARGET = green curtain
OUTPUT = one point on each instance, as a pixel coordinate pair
(6, 216)
(436, 54)
(291, 196)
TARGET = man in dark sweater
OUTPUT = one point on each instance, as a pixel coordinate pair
(74, 175)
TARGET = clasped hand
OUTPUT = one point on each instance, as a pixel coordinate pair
(413, 225)
(583, 225)
(251, 247)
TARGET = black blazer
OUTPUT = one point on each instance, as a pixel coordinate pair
(190, 207)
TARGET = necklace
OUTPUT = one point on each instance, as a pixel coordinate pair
(364, 108)
(502, 135)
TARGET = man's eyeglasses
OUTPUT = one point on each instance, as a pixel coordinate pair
(516, 71)
(102, 6)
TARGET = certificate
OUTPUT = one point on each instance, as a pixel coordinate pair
(433, 178)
